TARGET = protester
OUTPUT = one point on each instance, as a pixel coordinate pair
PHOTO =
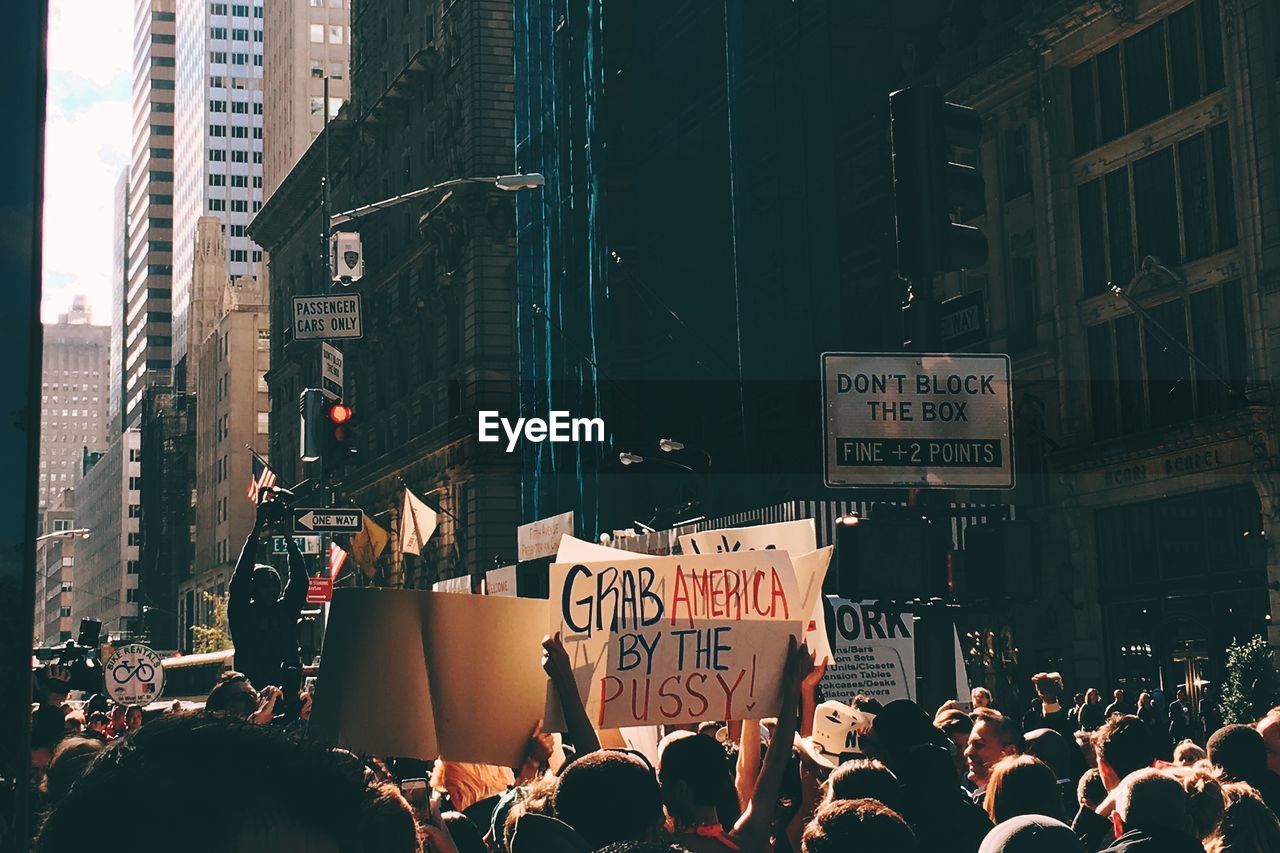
(1047, 710)
(1090, 792)
(1205, 799)
(609, 796)
(1150, 714)
(1187, 753)
(1269, 728)
(866, 779)
(981, 698)
(70, 759)
(957, 726)
(1054, 750)
(1180, 724)
(212, 783)
(1092, 714)
(1210, 714)
(1247, 824)
(262, 617)
(1022, 785)
(97, 725)
(1119, 706)
(1241, 755)
(119, 725)
(1073, 713)
(1031, 834)
(994, 736)
(851, 825)
(234, 696)
(1151, 814)
(1123, 746)
(133, 718)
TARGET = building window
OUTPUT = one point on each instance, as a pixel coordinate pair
(239, 256)
(131, 594)
(217, 106)
(239, 205)
(217, 130)
(240, 107)
(240, 132)
(65, 612)
(317, 106)
(263, 422)
(257, 109)
(239, 35)
(335, 70)
(239, 59)
(135, 539)
(216, 180)
(218, 32)
(1016, 163)
(257, 133)
(217, 8)
(317, 69)
(1134, 83)
(133, 567)
(240, 11)
(335, 35)
(217, 205)
(239, 180)
(1176, 204)
(239, 156)
(217, 155)
(317, 33)
(218, 57)
(1141, 375)
(257, 255)
(237, 230)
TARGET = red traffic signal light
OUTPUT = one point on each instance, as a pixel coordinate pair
(339, 413)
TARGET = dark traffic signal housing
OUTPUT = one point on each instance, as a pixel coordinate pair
(328, 428)
(928, 187)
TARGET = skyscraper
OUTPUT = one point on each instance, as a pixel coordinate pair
(218, 148)
(119, 284)
(74, 391)
(148, 250)
(305, 42)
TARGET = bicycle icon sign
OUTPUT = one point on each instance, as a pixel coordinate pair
(134, 675)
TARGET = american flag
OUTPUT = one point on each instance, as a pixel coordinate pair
(337, 557)
(263, 478)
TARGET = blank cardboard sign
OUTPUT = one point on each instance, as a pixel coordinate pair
(417, 674)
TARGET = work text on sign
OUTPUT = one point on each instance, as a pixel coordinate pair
(917, 420)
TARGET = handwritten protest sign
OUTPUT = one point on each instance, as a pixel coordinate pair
(500, 581)
(811, 571)
(539, 538)
(677, 639)
(414, 674)
(795, 537)
(573, 550)
(875, 654)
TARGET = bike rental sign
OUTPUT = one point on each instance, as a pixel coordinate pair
(134, 675)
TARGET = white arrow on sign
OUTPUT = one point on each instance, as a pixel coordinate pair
(336, 522)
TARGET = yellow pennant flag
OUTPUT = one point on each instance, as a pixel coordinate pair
(368, 545)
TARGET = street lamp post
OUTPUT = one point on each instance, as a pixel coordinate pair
(507, 183)
(79, 531)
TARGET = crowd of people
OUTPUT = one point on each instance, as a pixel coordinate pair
(242, 774)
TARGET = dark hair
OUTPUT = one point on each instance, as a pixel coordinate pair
(866, 779)
(48, 726)
(1022, 785)
(857, 825)
(1050, 747)
(1006, 729)
(464, 833)
(232, 695)
(1091, 791)
(224, 776)
(701, 763)
(609, 796)
(1240, 751)
(69, 762)
(1125, 743)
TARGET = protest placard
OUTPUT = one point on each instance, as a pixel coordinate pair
(875, 654)
(540, 538)
(415, 674)
(500, 581)
(795, 537)
(811, 571)
(573, 550)
(677, 639)
(461, 584)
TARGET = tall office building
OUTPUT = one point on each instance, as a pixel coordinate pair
(108, 505)
(73, 398)
(218, 147)
(119, 284)
(148, 257)
(305, 42)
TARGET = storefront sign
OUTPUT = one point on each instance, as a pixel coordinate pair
(1195, 461)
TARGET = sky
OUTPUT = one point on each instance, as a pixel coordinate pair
(86, 147)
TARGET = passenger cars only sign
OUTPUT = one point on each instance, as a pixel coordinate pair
(934, 420)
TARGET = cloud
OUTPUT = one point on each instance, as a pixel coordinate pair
(87, 140)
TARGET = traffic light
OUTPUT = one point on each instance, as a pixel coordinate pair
(341, 432)
(928, 187)
(897, 554)
(311, 433)
(999, 562)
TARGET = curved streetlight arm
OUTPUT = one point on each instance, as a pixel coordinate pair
(79, 531)
(510, 183)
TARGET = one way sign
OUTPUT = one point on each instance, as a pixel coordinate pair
(327, 521)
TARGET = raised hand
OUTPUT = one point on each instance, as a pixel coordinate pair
(555, 660)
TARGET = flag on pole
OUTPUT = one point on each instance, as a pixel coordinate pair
(337, 557)
(262, 478)
(417, 523)
(368, 545)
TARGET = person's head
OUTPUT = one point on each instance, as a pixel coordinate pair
(1180, 694)
(981, 697)
(1187, 753)
(467, 784)
(1078, 699)
(694, 773)
(1091, 696)
(1123, 744)
(1048, 686)
(1031, 834)
(133, 718)
(70, 760)
(956, 725)
(1151, 800)
(865, 779)
(245, 787)
(1090, 792)
(464, 833)
(117, 716)
(1144, 699)
(1050, 747)
(609, 796)
(97, 702)
(857, 825)
(1239, 752)
(1205, 800)
(1247, 824)
(1022, 785)
(266, 584)
(233, 696)
(98, 722)
(994, 736)
(1269, 728)
(48, 728)
(1118, 694)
